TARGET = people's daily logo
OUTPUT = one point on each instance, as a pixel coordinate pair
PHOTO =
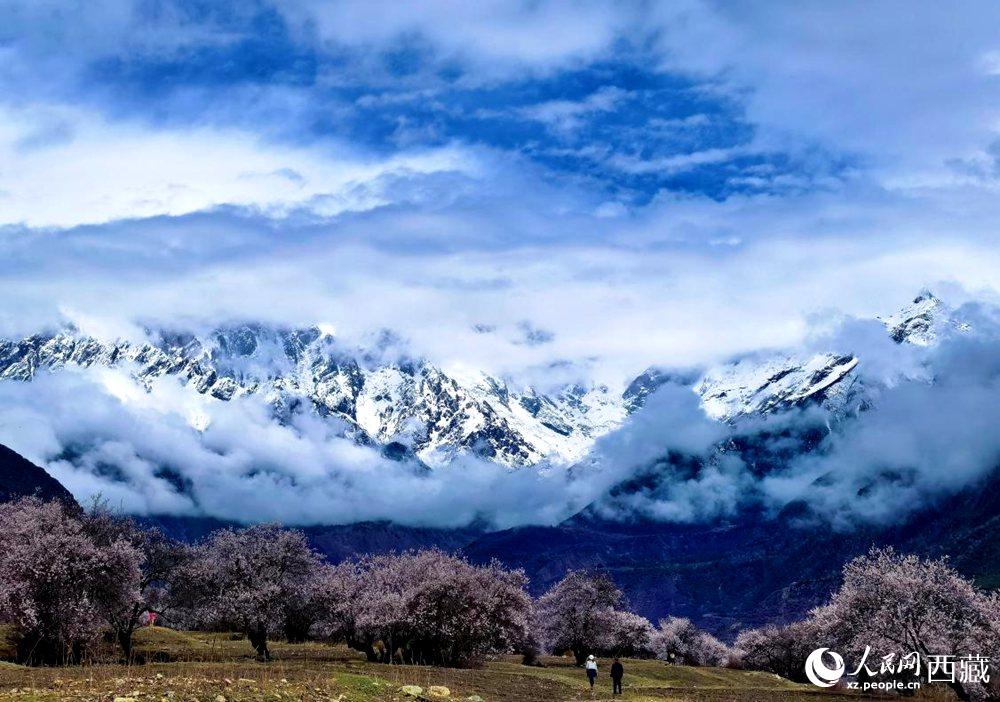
(819, 673)
(893, 672)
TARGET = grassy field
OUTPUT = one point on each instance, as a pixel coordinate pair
(220, 668)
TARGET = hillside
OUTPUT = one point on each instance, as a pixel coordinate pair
(19, 477)
(727, 576)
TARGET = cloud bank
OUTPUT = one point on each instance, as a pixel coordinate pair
(170, 450)
(923, 435)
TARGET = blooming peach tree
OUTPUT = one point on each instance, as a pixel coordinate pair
(59, 587)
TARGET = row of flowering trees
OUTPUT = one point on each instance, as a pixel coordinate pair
(67, 576)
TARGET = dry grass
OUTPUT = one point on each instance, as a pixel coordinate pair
(213, 667)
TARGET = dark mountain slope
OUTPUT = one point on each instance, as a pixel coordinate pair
(19, 477)
(727, 576)
(335, 542)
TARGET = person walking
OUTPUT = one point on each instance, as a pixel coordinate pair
(617, 673)
(591, 670)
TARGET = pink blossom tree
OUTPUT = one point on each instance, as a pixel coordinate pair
(59, 588)
(678, 640)
(888, 605)
(459, 612)
(307, 613)
(428, 607)
(248, 580)
(161, 561)
(899, 604)
(576, 613)
(627, 634)
(344, 592)
(782, 650)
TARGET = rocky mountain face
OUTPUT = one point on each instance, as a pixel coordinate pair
(405, 406)
(410, 407)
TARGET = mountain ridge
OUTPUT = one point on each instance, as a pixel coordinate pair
(412, 408)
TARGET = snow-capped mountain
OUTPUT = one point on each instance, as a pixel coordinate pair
(922, 321)
(412, 407)
(763, 383)
(759, 385)
(403, 405)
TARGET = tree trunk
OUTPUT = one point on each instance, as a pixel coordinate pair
(297, 625)
(580, 654)
(297, 632)
(960, 691)
(124, 635)
(258, 639)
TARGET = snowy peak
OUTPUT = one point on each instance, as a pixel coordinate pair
(920, 322)
(762, 386)
(408, 405)
(765, 383)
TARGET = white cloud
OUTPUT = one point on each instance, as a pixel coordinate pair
(149, 453)
(904, 87)
(495, 37)
(566, 115)
(63, 167)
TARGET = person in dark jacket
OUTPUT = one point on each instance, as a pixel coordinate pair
(617, 673)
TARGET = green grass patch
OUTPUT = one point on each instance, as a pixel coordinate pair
(205, 667)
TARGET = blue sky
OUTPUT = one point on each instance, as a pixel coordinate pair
(644, 182)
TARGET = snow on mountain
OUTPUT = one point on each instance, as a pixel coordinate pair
(765, 383)
(922, 321)
(403, 405)
(411, 407)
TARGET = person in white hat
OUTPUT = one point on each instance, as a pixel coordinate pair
(591, 670)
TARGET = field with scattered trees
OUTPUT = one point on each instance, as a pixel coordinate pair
(207, 667)
(255, 614)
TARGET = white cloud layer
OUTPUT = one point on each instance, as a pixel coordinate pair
(171, 450)
(63, 167)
